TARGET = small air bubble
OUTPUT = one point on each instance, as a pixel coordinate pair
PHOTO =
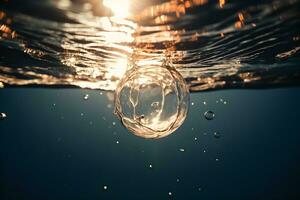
(2, 116)
(104, 187)
(86, 97)
(204, 102)
(170, 193)
(114, 123)
(209, 115)
(182, 150)
(151, 166)
(117, 142)
(217, 135)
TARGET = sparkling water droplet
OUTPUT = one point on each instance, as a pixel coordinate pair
(114, 123)
(217, 135)
(81, 114)
(225, 102)
(105, 187)
(2, 116)
(209, 115)
(117, 142)
(195, 138)
(151, 166)
(217, 160)
(177, 180)
(170, 193)
(182, 150)
(86, 97)
(192, 103)
(204, 102)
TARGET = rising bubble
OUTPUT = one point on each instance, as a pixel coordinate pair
(86, 97)
(2, 116)
(217, 135)
(152, 102)
(209, 115)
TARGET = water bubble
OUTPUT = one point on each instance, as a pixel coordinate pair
(217, 159)
(170, 193)
(117, 142)
(2, 116)
(177, 180)
(114, 123)
(192, 103)
(152, 102)
(151, 166)
(195, 138)
(86, 97)
(209, 115)
(204, 102)
(217, 135)
(181, 149)
(105, 187)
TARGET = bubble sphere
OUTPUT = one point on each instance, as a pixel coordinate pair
(152, 102)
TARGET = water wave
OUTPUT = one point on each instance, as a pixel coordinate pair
(91, 44)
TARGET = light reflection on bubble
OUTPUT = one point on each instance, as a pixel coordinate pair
(152, 102)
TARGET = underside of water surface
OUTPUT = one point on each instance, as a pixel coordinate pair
(91, 44)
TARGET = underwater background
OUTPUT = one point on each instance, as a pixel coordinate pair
(60, 65)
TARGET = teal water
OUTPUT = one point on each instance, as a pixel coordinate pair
(58, 143)
(48, 150)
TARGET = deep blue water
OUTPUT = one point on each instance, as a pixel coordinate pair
(52, 152)
(55, 145)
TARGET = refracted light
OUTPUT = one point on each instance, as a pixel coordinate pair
(120, 8)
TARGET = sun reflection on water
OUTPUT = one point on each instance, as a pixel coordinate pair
(120, 8)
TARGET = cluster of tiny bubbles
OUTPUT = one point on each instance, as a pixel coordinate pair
(209, 115)
(152, 101)
(2, 116)
(86, 97)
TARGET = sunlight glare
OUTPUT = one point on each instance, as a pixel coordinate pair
(120, 8)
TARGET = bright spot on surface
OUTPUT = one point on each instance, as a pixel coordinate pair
(120, 8)
(170, 193)
(105, 187)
